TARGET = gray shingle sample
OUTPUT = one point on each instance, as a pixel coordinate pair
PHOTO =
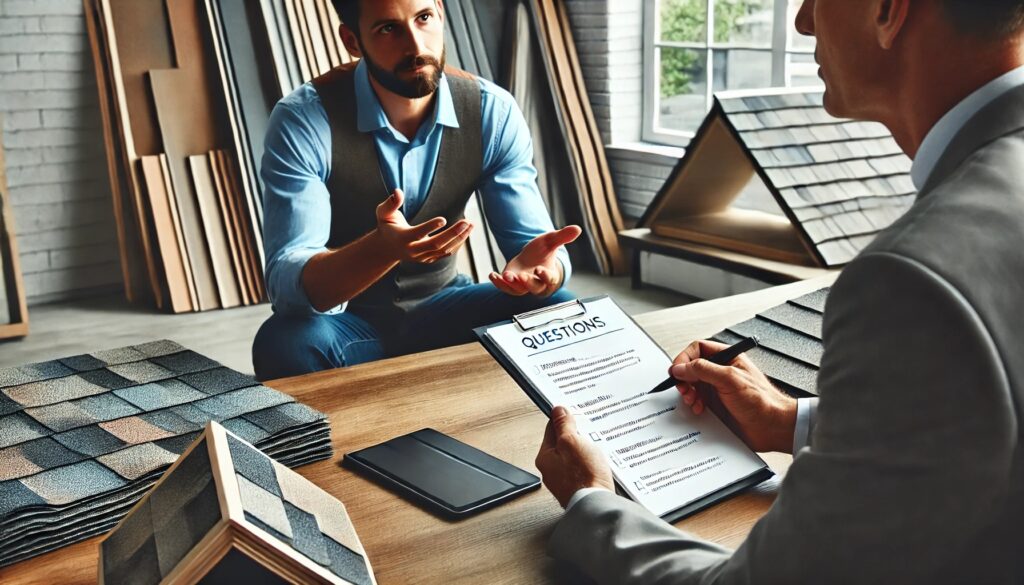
(107, 379)
(158, 348)
(14, 495)
(253, 465)
(795, 317)
(217, 380)
(121, 355)
(186, 362)
(52, 391)
(157, 395)
(782, 340)
(239, 402)
(64, 485)
(814, 301)
(347, 564)
(91, 441)
(48, 453)
(83, 363)
(141, 372)
(306, 535)
(790, 374)
(19, 427)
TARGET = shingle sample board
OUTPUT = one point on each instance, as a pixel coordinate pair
(789, 337)
(228, 513)
(82, 438)
(837, 182)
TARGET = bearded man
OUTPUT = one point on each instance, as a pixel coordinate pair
(368, 170)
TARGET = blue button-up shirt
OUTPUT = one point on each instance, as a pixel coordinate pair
(297, 163)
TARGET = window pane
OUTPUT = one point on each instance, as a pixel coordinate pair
(684, 83)
(803, 70)
(797, 41)
(741, 69)
(747, 22)
(683, 21)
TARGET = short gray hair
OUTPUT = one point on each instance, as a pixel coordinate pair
(996, 19)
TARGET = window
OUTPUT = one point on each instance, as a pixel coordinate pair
(694, 48)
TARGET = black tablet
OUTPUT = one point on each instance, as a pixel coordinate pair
(447, 476)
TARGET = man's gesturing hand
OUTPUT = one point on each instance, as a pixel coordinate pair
(740, 395)
(414, 243)
(536, 270)
(569, 462)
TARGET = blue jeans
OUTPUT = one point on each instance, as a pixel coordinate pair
(289, 345)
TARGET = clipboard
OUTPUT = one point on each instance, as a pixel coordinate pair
(567, 313)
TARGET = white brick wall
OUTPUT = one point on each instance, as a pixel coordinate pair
(609, 40)
(53, 138)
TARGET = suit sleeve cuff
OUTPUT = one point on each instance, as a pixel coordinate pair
(805, 410)
(580, 494)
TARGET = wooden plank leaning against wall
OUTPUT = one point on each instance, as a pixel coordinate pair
(14, 310)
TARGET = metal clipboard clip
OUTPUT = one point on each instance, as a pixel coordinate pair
(553, 314)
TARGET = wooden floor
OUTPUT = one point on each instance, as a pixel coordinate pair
(65, 329)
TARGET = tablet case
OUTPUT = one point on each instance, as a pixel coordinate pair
(443, 473)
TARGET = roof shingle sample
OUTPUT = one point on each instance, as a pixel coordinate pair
(198, 509)
(84, 437)
(839, 182)
(789, 338)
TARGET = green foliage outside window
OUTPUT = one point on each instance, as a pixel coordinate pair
(685, 20)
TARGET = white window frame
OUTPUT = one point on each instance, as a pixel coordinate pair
(780, 50)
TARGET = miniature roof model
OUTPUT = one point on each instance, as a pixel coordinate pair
(838, 182)
(789, 342)
(227, 513)
(84, 437)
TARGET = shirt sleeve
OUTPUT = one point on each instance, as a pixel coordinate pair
(512, 201)
(580, 494)
(805, 411)
(296, 203)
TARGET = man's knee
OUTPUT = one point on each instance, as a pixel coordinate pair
(291, 346)
(561, 296)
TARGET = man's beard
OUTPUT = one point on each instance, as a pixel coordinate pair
(422, 85)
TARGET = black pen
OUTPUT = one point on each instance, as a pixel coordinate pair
(722, 358)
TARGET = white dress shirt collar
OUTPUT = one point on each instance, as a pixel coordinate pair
(943, 133)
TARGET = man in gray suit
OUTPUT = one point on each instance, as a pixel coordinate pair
(911, 468)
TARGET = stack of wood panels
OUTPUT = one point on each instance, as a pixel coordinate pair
(13, 310)
(527, 47)
(186, 97)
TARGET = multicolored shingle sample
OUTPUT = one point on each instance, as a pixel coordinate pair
(183, 525)
(82, 438)
(789, 338)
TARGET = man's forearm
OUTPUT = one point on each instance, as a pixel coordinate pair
(337, 276)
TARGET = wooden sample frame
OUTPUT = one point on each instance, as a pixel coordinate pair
(11, 281)
(235, 528)
(835, 183)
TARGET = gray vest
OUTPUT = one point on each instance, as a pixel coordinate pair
(356, 185)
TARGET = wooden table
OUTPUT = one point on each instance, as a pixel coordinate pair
(463, 392)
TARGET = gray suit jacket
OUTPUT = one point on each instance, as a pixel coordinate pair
(915, 472)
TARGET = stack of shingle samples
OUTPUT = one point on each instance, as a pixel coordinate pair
(269, 525)
(837, 182)
(789, 338)
(84, 437)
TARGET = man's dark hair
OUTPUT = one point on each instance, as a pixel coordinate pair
(992, 19)
(348, 12)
